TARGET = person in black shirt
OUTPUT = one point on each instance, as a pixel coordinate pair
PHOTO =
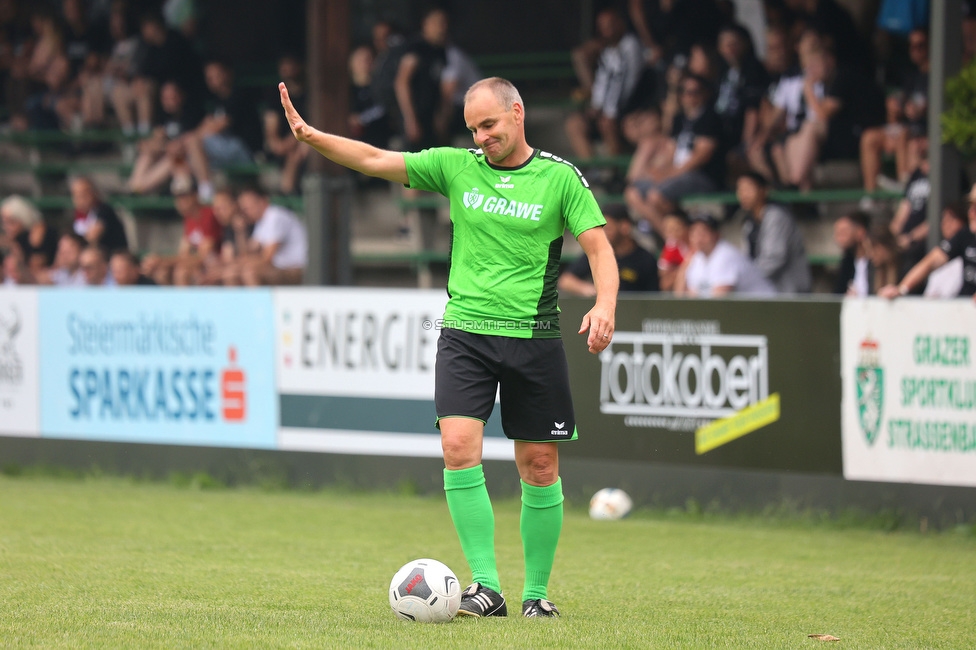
(959, 240)
(741, 87)
(698, 164)
(637, 267)
(419, 92)
(910, 224)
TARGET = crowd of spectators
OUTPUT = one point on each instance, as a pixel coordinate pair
(679, 87)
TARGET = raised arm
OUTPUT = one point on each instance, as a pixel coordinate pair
(356, 155)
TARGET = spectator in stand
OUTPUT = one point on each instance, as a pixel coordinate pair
(164, 55)
(717, 268)
(368, 118)
(87, 46)
(418, 85)
(697, 164)
(740, 89)
(25, 230)
(852, 234)
(66, 271)
(202, 234)
(94, 265)
(907, 117)
(959, 241)
(669, 28)
(52, 102)
(100, 85)
(279, 142)
(94, 219)
(837, 29)
(236, 233)
(278, 251)
(230, 130)
(618, 68)
(652, 148)
(773, 241)
(125, 270)
(703, 61)
(822, 101)
(15, 46)
(15, 271)
(910, 224)
(676, 250)
(885, 257)
(637, 267)
(780, 56)
(460, 74)
(165, 154)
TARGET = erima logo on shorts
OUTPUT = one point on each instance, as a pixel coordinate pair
(505, 183)
(560, 429)
(496, 205)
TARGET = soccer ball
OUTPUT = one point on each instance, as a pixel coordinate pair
(426, 591)
(610, 503)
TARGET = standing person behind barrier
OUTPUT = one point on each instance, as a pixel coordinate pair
(772, 238)
(636, 266)
(510, 205)
(418, 88)
(717, 268)
(959, 241)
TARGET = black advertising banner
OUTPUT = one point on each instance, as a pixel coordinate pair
(729, 383)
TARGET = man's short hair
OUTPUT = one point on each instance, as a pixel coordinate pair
(127, 255)
(957, 211)
(680, 215)
(102, 254)
(617, 212)
(705, 219)
(253, 188)
(860, 219)
(505, 91)
(757, 178)
(75, 238)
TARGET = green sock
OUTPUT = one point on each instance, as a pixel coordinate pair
(474, 521)
(542, 521)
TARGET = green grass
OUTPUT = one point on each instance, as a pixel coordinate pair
(115, 563)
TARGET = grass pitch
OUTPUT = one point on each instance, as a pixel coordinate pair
(113, 563)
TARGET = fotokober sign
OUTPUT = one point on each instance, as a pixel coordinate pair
(750, 384)
(909, 400)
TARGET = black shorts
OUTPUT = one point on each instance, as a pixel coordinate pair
(536, 402)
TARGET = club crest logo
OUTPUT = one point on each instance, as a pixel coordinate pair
(473, 198)
(11, 367)
(870, 390)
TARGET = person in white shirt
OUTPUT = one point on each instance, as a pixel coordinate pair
(278, 249)
(718, 268)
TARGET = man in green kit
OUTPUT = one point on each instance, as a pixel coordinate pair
(510, 205)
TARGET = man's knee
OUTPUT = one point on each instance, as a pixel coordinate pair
(461, 442)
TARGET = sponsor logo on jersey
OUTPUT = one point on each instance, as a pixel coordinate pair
(505, 183)
(496, 205)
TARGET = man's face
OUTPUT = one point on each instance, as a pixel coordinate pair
(186, 204)
(608, 26)
(216, 76)
(11, 226)
(750, 195)
(844, 233)
(171, 98)
(918, 48)
(434, 29)
(703, 238)
(675, 229)
(68, 253)
(94, 268)
(730, 47)
(252, 205)
(949, 225)
(614, 231)
(495, 130)
(82, 196)
(123, 271)
(692, 96)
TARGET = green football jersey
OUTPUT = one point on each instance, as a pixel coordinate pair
(508, 236)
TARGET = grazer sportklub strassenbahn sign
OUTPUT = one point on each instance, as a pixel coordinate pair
(759, 380)
(909, 381)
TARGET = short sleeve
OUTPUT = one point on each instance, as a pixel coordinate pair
(428, 170)
(580, 208)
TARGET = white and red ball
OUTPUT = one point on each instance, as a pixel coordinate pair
(426, 591)
(610, 503)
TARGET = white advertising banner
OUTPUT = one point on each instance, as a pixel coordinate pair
(909, 391)
(355, 372)
(19, 382)
(357, 342)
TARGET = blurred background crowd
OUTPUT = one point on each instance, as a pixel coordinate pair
(667, 100)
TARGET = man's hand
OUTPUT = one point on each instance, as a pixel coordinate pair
(599, 322)
(891, 291)
(299, 128)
